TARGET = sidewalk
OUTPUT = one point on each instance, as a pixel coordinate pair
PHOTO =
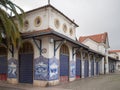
(26, 87)
(91, 82)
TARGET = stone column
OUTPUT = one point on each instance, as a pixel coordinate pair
(89, 65)
(82, 63)
(107, 65)
(101, 63)
(94, 66)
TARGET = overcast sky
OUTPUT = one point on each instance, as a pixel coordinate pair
(92, 16)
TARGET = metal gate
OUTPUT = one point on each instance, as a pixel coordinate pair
(64, 63)
(26, 63)
(26, 68)
(92, 67)
(111, 66)
(64, 67)
(97, 68)
(86, 68)
(78, 68)
(3, 64)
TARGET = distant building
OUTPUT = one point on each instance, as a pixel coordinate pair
(115, 54)
(100, 43)
(97, 42)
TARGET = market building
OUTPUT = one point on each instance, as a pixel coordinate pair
(50, 53)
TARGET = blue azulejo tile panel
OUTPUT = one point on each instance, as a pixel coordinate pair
(12, 68)
(53, 68)
(41, 68)
(72, 69)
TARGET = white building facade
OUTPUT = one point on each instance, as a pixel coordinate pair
(49, 53)
(115, 54)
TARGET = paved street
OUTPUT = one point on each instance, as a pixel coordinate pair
(8, 88)
(102, 82)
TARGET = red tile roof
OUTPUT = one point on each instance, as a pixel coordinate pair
(97, 37)
(113, 51)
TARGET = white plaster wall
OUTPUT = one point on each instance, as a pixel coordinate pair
(101, 48)
(55, 15)
(114, 55)
(46, 46)
(48, 15)
(91, 44)
(118, 54)
(43, 13)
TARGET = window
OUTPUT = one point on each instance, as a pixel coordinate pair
(26, 24)
(26, 48)
(78, 54)
(64, 49)
(3, 51)
(71, 31)
(57, 23)
(65, 28)
(37, 21)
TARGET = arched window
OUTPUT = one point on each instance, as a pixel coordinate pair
(78, 55)
(64, 49)
(26, 48)
(3, 50)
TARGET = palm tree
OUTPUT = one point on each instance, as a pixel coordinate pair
(9, 33)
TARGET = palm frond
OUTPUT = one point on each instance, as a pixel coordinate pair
(7, 24)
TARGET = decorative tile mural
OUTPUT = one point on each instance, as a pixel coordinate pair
(41, 68)
(53, 68)
(12, 68)
(72, 69)
(45, 69)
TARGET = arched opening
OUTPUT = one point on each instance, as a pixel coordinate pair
(3, 63)
(78, 65)
(26, 63)
(64, 63)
